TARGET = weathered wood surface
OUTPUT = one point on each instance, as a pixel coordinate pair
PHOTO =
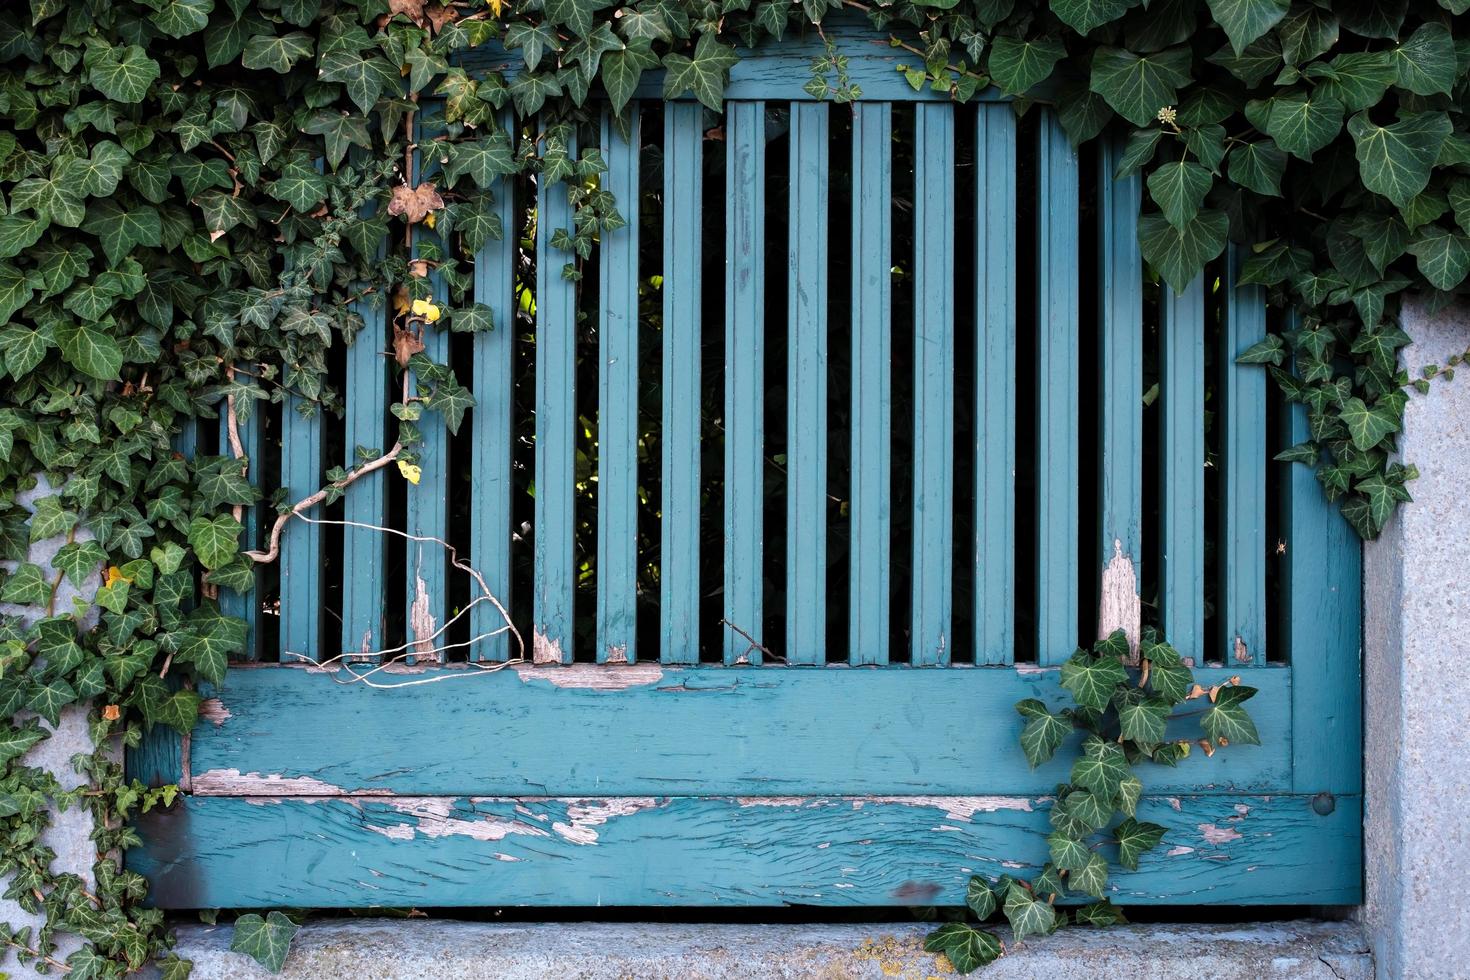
(430, 851)
(549, 730)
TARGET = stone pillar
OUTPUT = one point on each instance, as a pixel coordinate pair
(1417, 680)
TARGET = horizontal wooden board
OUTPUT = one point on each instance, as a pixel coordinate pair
(692, 851)
(651, 729)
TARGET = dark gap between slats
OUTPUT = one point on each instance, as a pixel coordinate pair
(967, 232)
(1089, 398)
(901, 494)
(839, 382)
(712, 393)
(1151, 526)
(523, 447)
(1278, 493)
(334, 453)
(268, 587)
(1028, 281)
(778, 183)
(1214, 443)
(588, 361)
(650, 371)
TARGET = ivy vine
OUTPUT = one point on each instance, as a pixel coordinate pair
(194, 192)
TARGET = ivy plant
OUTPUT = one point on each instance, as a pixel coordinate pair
(1123, 714)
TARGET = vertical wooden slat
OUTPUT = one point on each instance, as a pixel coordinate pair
(245, 606)
(933, 556)
(1242, 414)
(682, 332)
(492, 425)
(1182, 467)
(301, 558)
(556, 418)
(1322, 580)
(1056, 394)
(745, 297)
(617, 403)
(363, 552)
(995, 394)
(806, 412)
(1120, 377)
(872, 380)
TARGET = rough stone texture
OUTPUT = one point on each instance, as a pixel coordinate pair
(1417, 646)
(388, 950)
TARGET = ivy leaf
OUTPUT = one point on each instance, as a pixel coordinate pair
(1227, 717)
(621, 71)
(264, 940)
(1180, 253)
(1258, 166)
(16, 741)
(705, 74)
(1101, 769)
(1083, 16)
(363, 78)
(1395, 160)
(48, 699)
(207, 639)
(277, 54)
(1017, 66)
(967, 948)
(1143, 721)
(179, 710)
(1044, 731)
(1138, 86)
(482, 160)
(215, 539)
(78, 559)
(89, 349)
(15, 291)
(123, 74)
(1067, 852)
(1091, 679)
(1302, 123)
(979, 896)
(1252, 65)
(1099, 915)
(180, 18)
(26, 586)
(1358, 80)
(98, 174)
(1027, 915)
(122, 229)
(1091, 878)
(1367, 426)
(1245, 20)
(1135, 839)
(1443, 255)
(299, 185)
(1179, 189)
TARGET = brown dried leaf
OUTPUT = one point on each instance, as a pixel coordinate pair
(415, 202)
(412, 9)
(439, 15)
(406, 343)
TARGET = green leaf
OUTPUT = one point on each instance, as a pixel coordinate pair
(1099, 915)
(1101, 769)
(1252, 65)
(1395, 160)
(482, 160)
(1067, 852)
(299, 185)
(1302, 123)
(1367, 426)
(1258, 166)
(15, 291)
(705, 74)
(1092, 680)
(48, 699)
(1358, 80)
(966, 947)
(122, 229)
(1179, 189)
(1144, 721)
(621, 71)
(1227, 717)
(1017, 66)
(1027, 915)
(26, 586)
(1179, 254)
(264, 940)
(1138, 86)
(98, 175)
(180, 18)
(1443, 255)
(1135, 839)
(89, 349)
(78, 560)
(1044, 731)
(1083, 16)
(123, 74)
(1091, 878)
(979, 896)
(363, 78)
(179, 711)
(215, 539)
(1245, 20)
(17, 741)
(278, 54)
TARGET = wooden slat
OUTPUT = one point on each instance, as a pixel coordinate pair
(1323, 583)
(872, 381)
(1182, 467)
(682, 393)
(697, 851)
(426, 598)
(246, 606)
(1120, 383)
(617, 403)
(995, 394)
(1242, 416)
(553, 569)
(934, 337)
(492, 427)
(282, 727)
(1057, 340)
(301, 554)
(363, 550)
(745, 299)
(806, 412)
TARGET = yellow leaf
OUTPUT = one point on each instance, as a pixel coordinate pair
(429, 219)
(410, 472)
(496, 6)
(114, 574)
(426, 309)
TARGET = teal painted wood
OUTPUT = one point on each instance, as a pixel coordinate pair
(302, 474)
(246, 606)
(1182, 467)
(430, 739)
(364, 576)
(745, 301)
(1120, 423)
(492, 426)
(617, 404)
(806, 411)
(663, 851)
(872, 382)
(934, 337)
(1323, 582)
(1242, 414)
(1057, 339)
(995, 394)
(553, 568)
(682, 394)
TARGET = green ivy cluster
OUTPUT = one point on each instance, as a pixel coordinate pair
(195, 195)
(1124, 714)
